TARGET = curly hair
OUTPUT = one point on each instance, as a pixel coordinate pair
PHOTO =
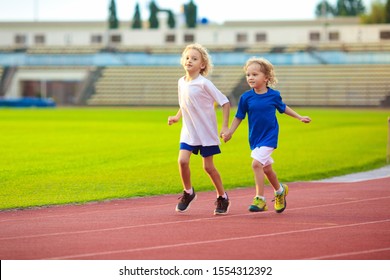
(266, 67)
(206, 59)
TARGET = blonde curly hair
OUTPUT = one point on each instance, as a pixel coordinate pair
(206, 59)
(266, 67)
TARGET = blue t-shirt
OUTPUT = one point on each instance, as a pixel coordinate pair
(261, 110)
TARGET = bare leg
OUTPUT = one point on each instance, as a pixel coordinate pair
(208, 166)
(259, 177)
(272, 178)
(184, 168)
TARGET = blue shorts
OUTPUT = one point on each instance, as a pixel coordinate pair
(205, 151)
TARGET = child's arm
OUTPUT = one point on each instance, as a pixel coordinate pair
(228, 135)
(174, 119)
(225, 115)
(294, 114)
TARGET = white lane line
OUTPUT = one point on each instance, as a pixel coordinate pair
(122, 208)
(213, 218)
(171, 246)
(349, 254)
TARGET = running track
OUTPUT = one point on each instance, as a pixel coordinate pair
(322, 221)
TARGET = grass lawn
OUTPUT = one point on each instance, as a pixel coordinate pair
(76, 155)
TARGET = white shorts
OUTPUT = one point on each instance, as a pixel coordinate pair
(263, 155)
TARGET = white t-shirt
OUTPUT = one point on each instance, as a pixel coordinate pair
(196, 100)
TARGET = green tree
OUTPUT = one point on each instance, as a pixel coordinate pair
(387, 9)
(324, 8)
(377, 14)
(113, 22)
(153, 20)
(349, 8)
(190, 11)
(171, 19)
(137, 22)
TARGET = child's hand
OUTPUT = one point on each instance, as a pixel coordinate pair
(305, 119)
(172, 120)
(226, 135)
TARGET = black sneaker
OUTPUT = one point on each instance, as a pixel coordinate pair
(223, 205)
(185, 201)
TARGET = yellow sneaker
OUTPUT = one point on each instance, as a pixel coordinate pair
(280, 200)
(258, 205)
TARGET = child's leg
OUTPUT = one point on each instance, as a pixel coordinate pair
(261, 158)
(272, 178)
(184, 168)
(208, 166)
(280, 191)
(259, 177)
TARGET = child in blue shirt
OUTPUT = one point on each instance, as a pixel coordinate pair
(261, 103)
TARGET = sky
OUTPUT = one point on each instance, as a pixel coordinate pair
(217, 11)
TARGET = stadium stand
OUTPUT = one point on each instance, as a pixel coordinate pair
(152, 86)
(175, 49)
(331, 85)
(328, 46)
(7, 49)
(170, 49)
(256, 49)
(83, 63)
(65, 84)
(334, 85)
(137, 86)
(309, 85)
(63, 49)
(306, 78)
(366, 47)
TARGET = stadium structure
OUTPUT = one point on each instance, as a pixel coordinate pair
(322, 62)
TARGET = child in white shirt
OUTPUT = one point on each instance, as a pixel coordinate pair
(199, 133)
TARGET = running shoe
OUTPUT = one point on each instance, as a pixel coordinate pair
(223, 205)
(258, 205)
(185, 200)
(280, 200)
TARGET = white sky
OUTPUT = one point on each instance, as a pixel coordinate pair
(214, 10)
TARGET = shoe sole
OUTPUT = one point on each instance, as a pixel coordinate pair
(257, 209)
(223, 213)
(188, 207)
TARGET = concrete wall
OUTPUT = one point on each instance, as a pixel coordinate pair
(277, 33)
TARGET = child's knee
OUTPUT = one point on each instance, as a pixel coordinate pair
(183, 162)
(256, 165)
(209, 169)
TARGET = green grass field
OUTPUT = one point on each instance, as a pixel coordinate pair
(76, 155)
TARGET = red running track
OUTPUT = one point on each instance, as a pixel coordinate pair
(322, 221)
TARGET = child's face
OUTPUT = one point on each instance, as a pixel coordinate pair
(255, 77)
(193, 61)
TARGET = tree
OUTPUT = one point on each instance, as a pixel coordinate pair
(387, 9)
(190, 11)
(349, 8)
(343, 8)
(324, 9)
(377, 15)
(113, 22)
(137, 22)
(171, 19)
(153, 20)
